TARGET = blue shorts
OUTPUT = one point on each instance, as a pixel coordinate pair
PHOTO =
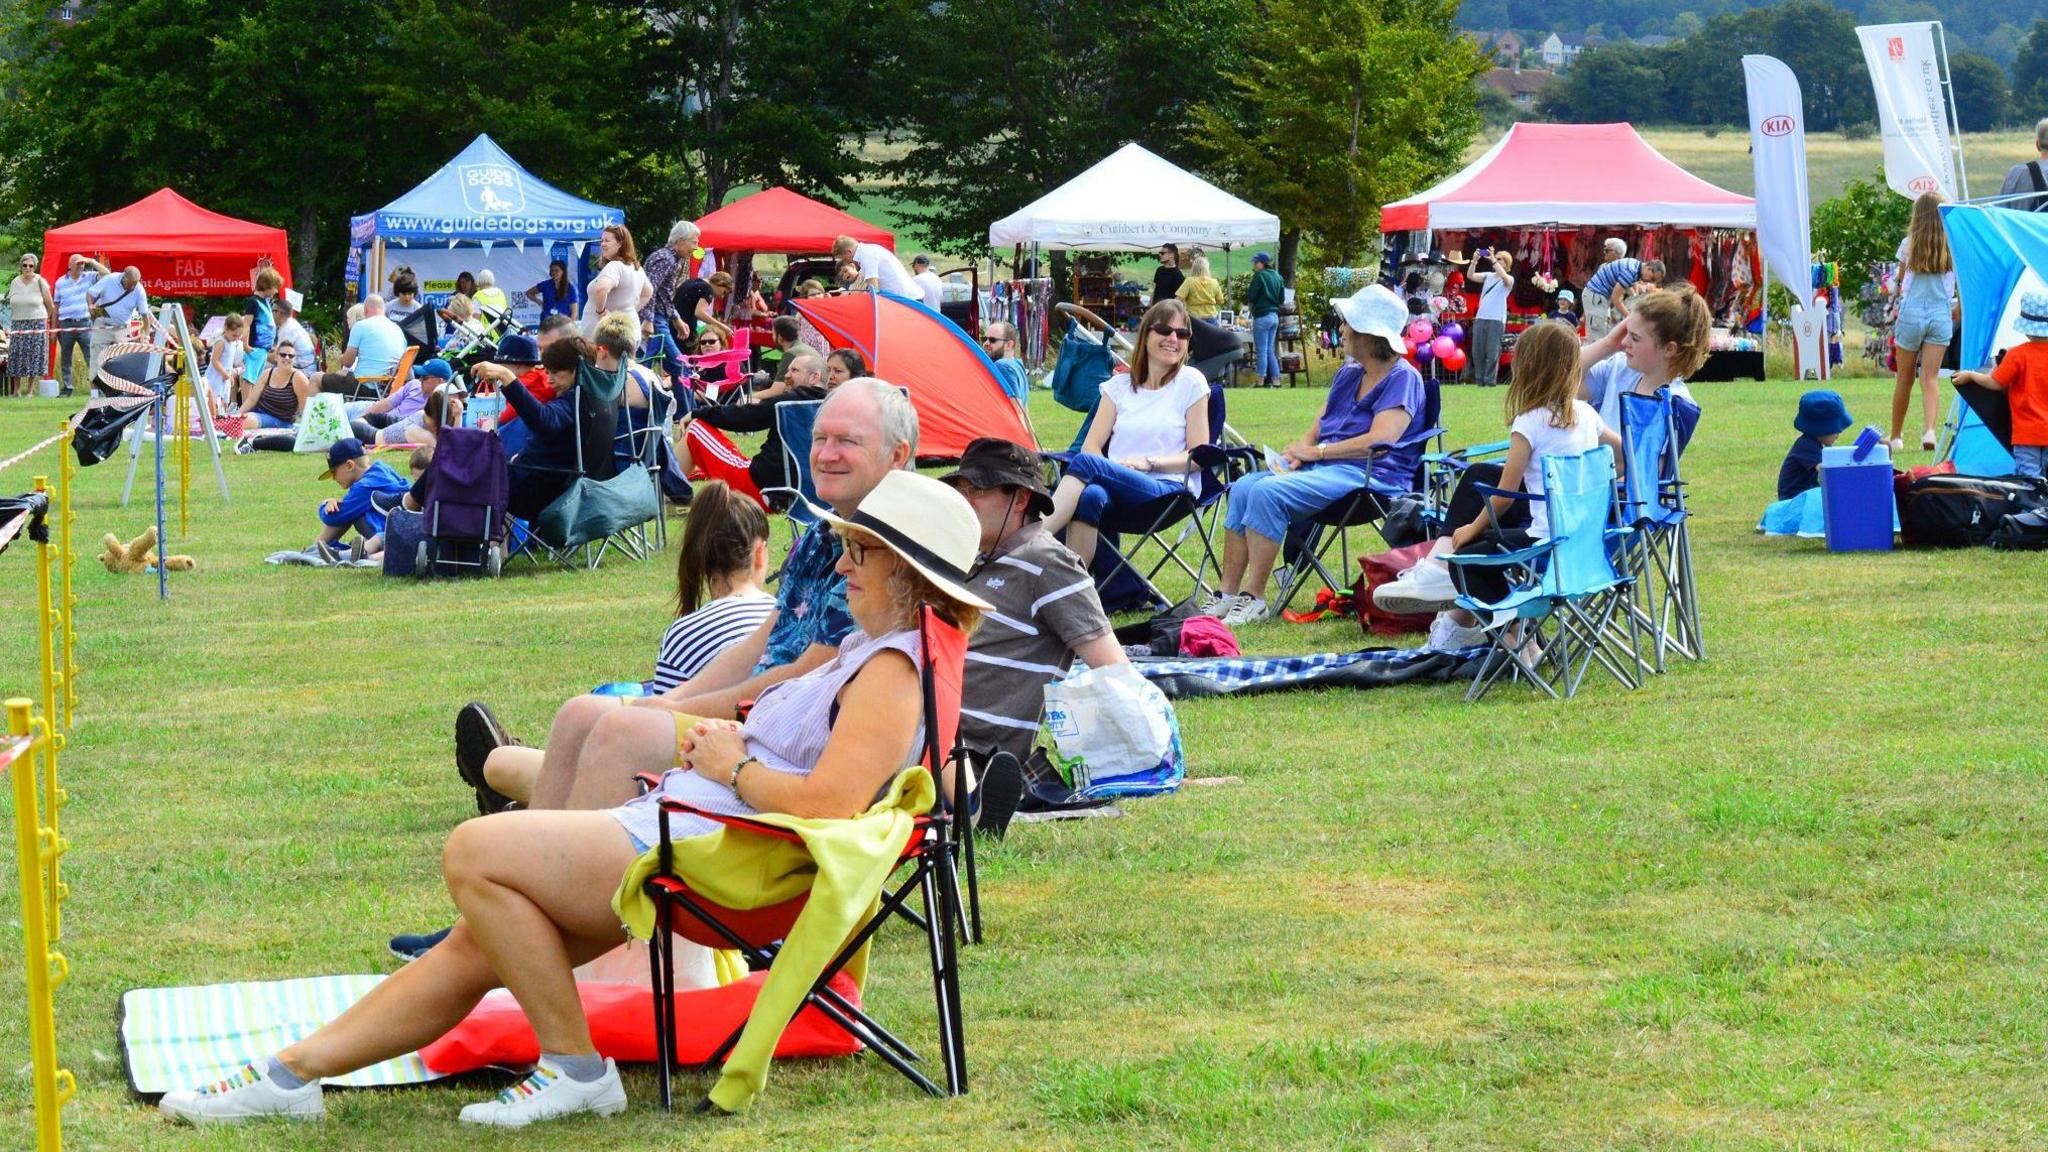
(1267, 502)
(262, 419)
(1923, 324)
(2029, 459)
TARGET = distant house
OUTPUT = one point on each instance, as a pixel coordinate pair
(1654, 41)
(1560, 49)
(1520, 86)
(1506, 47)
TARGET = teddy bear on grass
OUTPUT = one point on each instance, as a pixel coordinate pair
(139, 555)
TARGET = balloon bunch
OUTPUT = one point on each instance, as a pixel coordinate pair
(1426, 343)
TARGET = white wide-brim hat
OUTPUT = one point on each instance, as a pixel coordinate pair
(926, 523)
(1376, 311)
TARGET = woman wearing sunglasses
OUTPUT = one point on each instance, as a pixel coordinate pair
(1136, 450)
(30, 307)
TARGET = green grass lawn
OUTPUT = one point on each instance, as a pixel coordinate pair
(1790, 897)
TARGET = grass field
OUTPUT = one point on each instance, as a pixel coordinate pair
(1790, 897)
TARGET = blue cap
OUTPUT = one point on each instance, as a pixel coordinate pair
(1822, 413)
(1265, 258)
(341, 452)
(436, 368)
(518, 348)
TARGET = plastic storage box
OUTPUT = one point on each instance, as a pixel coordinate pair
(1856, 493)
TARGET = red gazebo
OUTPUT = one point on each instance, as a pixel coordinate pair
(180, 248)
(784, 222)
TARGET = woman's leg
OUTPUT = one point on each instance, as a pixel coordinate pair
(1930, 385)
(1902, 388)
(556, 771)
(512, 771)
(1065, 498)
(621, 745)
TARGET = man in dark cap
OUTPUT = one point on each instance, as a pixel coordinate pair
(1046, 610)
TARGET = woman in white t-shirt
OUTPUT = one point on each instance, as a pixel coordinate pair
(1136, 450)
(1546, 418)
(620, 285)
(1666, 337)
(1490, 323)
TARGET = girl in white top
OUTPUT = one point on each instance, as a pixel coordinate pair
(1136, 449)
(1666, 337)
(620, 286)
(224, 361)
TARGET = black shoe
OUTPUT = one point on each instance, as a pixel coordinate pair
(411, 947)
(1046, 792)
(477, 735)
(1002, 787)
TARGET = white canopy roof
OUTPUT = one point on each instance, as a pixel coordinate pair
(1132, 201)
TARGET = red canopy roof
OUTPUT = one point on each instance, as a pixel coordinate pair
(1570, 174)
(951, 382)
(181, 248)
(779, 220)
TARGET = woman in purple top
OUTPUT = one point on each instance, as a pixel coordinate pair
(1366, 436)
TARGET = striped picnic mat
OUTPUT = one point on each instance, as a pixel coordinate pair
(175, 1038)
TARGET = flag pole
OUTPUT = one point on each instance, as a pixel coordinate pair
(1955, 126)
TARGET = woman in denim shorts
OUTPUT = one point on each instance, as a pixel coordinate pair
(1926, 327)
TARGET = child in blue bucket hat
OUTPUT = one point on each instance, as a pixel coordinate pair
(1822, 419)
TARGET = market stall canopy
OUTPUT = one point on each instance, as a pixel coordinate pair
(1570, 174)
(951, 382)
(1133, 201)
(782, 221)
(180, 248)
(483, 196)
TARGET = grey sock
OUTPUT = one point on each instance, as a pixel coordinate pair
(278, 1074)
(582, 1069)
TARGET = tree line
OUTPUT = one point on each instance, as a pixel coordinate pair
(300, 114)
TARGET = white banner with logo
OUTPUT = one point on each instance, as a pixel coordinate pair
(1777, 148)
(1912, 110)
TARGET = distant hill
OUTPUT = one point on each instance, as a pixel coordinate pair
(1993, 27)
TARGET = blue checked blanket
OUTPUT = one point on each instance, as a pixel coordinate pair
(1183, 679)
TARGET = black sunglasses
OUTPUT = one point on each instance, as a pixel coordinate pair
(1170, 330)
(856, 548)
(995, 339)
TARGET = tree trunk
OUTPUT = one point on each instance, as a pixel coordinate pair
(1290, 249)
(305, 262)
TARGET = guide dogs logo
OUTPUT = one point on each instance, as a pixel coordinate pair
(491, 188)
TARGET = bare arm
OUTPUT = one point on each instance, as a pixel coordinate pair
(1099, 431)
(726, 669)
(726, 701)
(1387, 426)
(1102, 651)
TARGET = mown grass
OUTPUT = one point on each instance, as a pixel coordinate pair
(1787, 898)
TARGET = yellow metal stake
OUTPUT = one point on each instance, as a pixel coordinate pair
(45, 969)
(67, 602)
(53, 796)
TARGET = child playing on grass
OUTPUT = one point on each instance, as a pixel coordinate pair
(2023, 376)
(358, 507)
(1545, 417)
(1821, 421)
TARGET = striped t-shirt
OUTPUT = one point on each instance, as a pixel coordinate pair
(1045, 604)
(695, 640)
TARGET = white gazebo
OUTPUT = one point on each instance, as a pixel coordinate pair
(1132, 201)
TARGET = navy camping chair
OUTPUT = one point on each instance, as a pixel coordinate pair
(1657, 549)
(603, 500)
(1306, 551)
(1565, 593)
(795, 421)
(1440, 474)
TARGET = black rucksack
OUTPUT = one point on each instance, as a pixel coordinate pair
(1944, 511)
(2021, 532)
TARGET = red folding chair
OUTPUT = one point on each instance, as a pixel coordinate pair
(929, 855)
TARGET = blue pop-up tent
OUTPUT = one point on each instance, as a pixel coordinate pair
(483, 201)
(1999, 254)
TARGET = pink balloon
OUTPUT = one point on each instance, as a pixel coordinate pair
(1443, 347)
(1420, 331)
(1455, 362)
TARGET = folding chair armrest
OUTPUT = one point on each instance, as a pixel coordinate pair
(668, 806)
(648, 781)
(1498, 559)
(1490, 490)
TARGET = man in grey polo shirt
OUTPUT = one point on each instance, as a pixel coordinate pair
(1046, 610)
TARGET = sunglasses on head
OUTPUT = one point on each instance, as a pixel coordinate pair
(1164, 329)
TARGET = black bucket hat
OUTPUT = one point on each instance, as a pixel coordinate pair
(992, 462)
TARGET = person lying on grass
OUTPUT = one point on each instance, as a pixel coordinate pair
(534, 888)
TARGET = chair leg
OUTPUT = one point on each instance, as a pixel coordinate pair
(661, 983)
(946, 978)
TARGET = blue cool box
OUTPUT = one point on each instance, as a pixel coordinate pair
(1856, 491)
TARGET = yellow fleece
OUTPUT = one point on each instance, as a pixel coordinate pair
(843, 864)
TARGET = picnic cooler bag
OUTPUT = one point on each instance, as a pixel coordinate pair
(1963, 511)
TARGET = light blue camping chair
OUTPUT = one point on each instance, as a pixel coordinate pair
(1657, 549)
(1565, 593)
(1440, 473)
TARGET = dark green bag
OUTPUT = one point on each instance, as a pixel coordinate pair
(592, 509)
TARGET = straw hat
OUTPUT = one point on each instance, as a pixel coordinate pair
(926, 523)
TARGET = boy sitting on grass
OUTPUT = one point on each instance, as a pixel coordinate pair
(1822, 419)
(2023, 376)
(360, 506)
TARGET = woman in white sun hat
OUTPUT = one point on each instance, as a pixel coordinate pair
(1366, 437)
(535, 887)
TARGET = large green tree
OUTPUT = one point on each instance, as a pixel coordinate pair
(1625, 82)
(2030, 75)
(1982, 97)
(1345, 104)
(1007, 99)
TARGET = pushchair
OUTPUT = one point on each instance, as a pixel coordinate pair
(464, 516)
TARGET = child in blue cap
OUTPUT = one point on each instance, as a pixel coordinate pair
(371, 488)
(1822, 419)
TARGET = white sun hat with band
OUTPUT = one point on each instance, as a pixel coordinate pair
(926, 523)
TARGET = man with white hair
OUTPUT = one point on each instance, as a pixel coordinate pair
(114, 301)
(1608, 287)
(877, 268)
(488, 294)
(666, 273)
(2029, 176)
(374, 346)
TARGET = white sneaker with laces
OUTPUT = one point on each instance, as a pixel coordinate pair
(548, 1094)
(1218, 605)
(1447, 635)
(1247, 610)
(1427, 587)
(247, 1095)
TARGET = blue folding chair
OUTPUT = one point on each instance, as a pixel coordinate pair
(1565, 592)
(1657, 549)
(795, 421)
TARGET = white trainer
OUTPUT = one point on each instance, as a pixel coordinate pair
(1426, 587)
(1218, 605)
(548, 1094)
(247, 1095)
(1248, 610)
(1447, 635)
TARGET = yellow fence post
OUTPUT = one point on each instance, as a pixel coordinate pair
(35, 848)
(54, 797)
(67, 601)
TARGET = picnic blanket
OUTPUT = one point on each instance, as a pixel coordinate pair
(174, 1038)
(1183, 679)
(309, 559)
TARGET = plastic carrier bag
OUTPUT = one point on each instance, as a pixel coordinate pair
(322, 423)
(1112, 733)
